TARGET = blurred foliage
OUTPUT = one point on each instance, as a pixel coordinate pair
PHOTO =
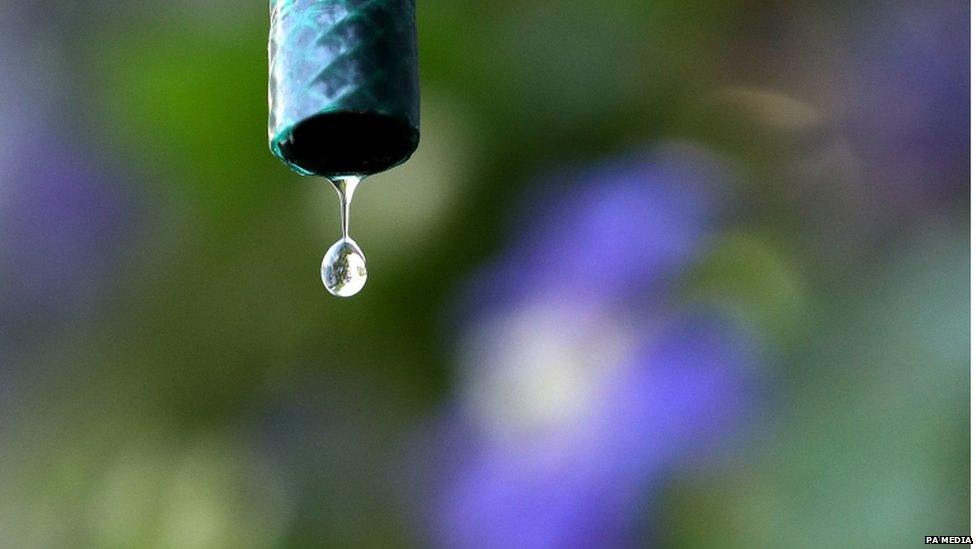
(206, 392)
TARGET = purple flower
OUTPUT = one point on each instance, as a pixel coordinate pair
(909, 114)
(581, 385)
(61, 223)
(61, 216)
(608, 232)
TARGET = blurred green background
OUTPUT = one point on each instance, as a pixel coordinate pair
(173, 374)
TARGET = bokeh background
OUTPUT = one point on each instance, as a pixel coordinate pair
(661, 274)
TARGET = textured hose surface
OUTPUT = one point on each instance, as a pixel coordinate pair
(328, 56)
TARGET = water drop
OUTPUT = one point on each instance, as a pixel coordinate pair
(344, 269)
(344, 266)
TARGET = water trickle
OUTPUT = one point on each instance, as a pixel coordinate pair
(344, 266)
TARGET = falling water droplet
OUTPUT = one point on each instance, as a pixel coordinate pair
(344, 266)
(344, 269)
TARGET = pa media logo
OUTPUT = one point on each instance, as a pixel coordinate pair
(955, 540)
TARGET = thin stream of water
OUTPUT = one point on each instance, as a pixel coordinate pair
(344, 265)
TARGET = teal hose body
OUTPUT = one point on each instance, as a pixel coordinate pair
(343, 85)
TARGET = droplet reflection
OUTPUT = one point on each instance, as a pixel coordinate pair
(344, 269)
(344, 265)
